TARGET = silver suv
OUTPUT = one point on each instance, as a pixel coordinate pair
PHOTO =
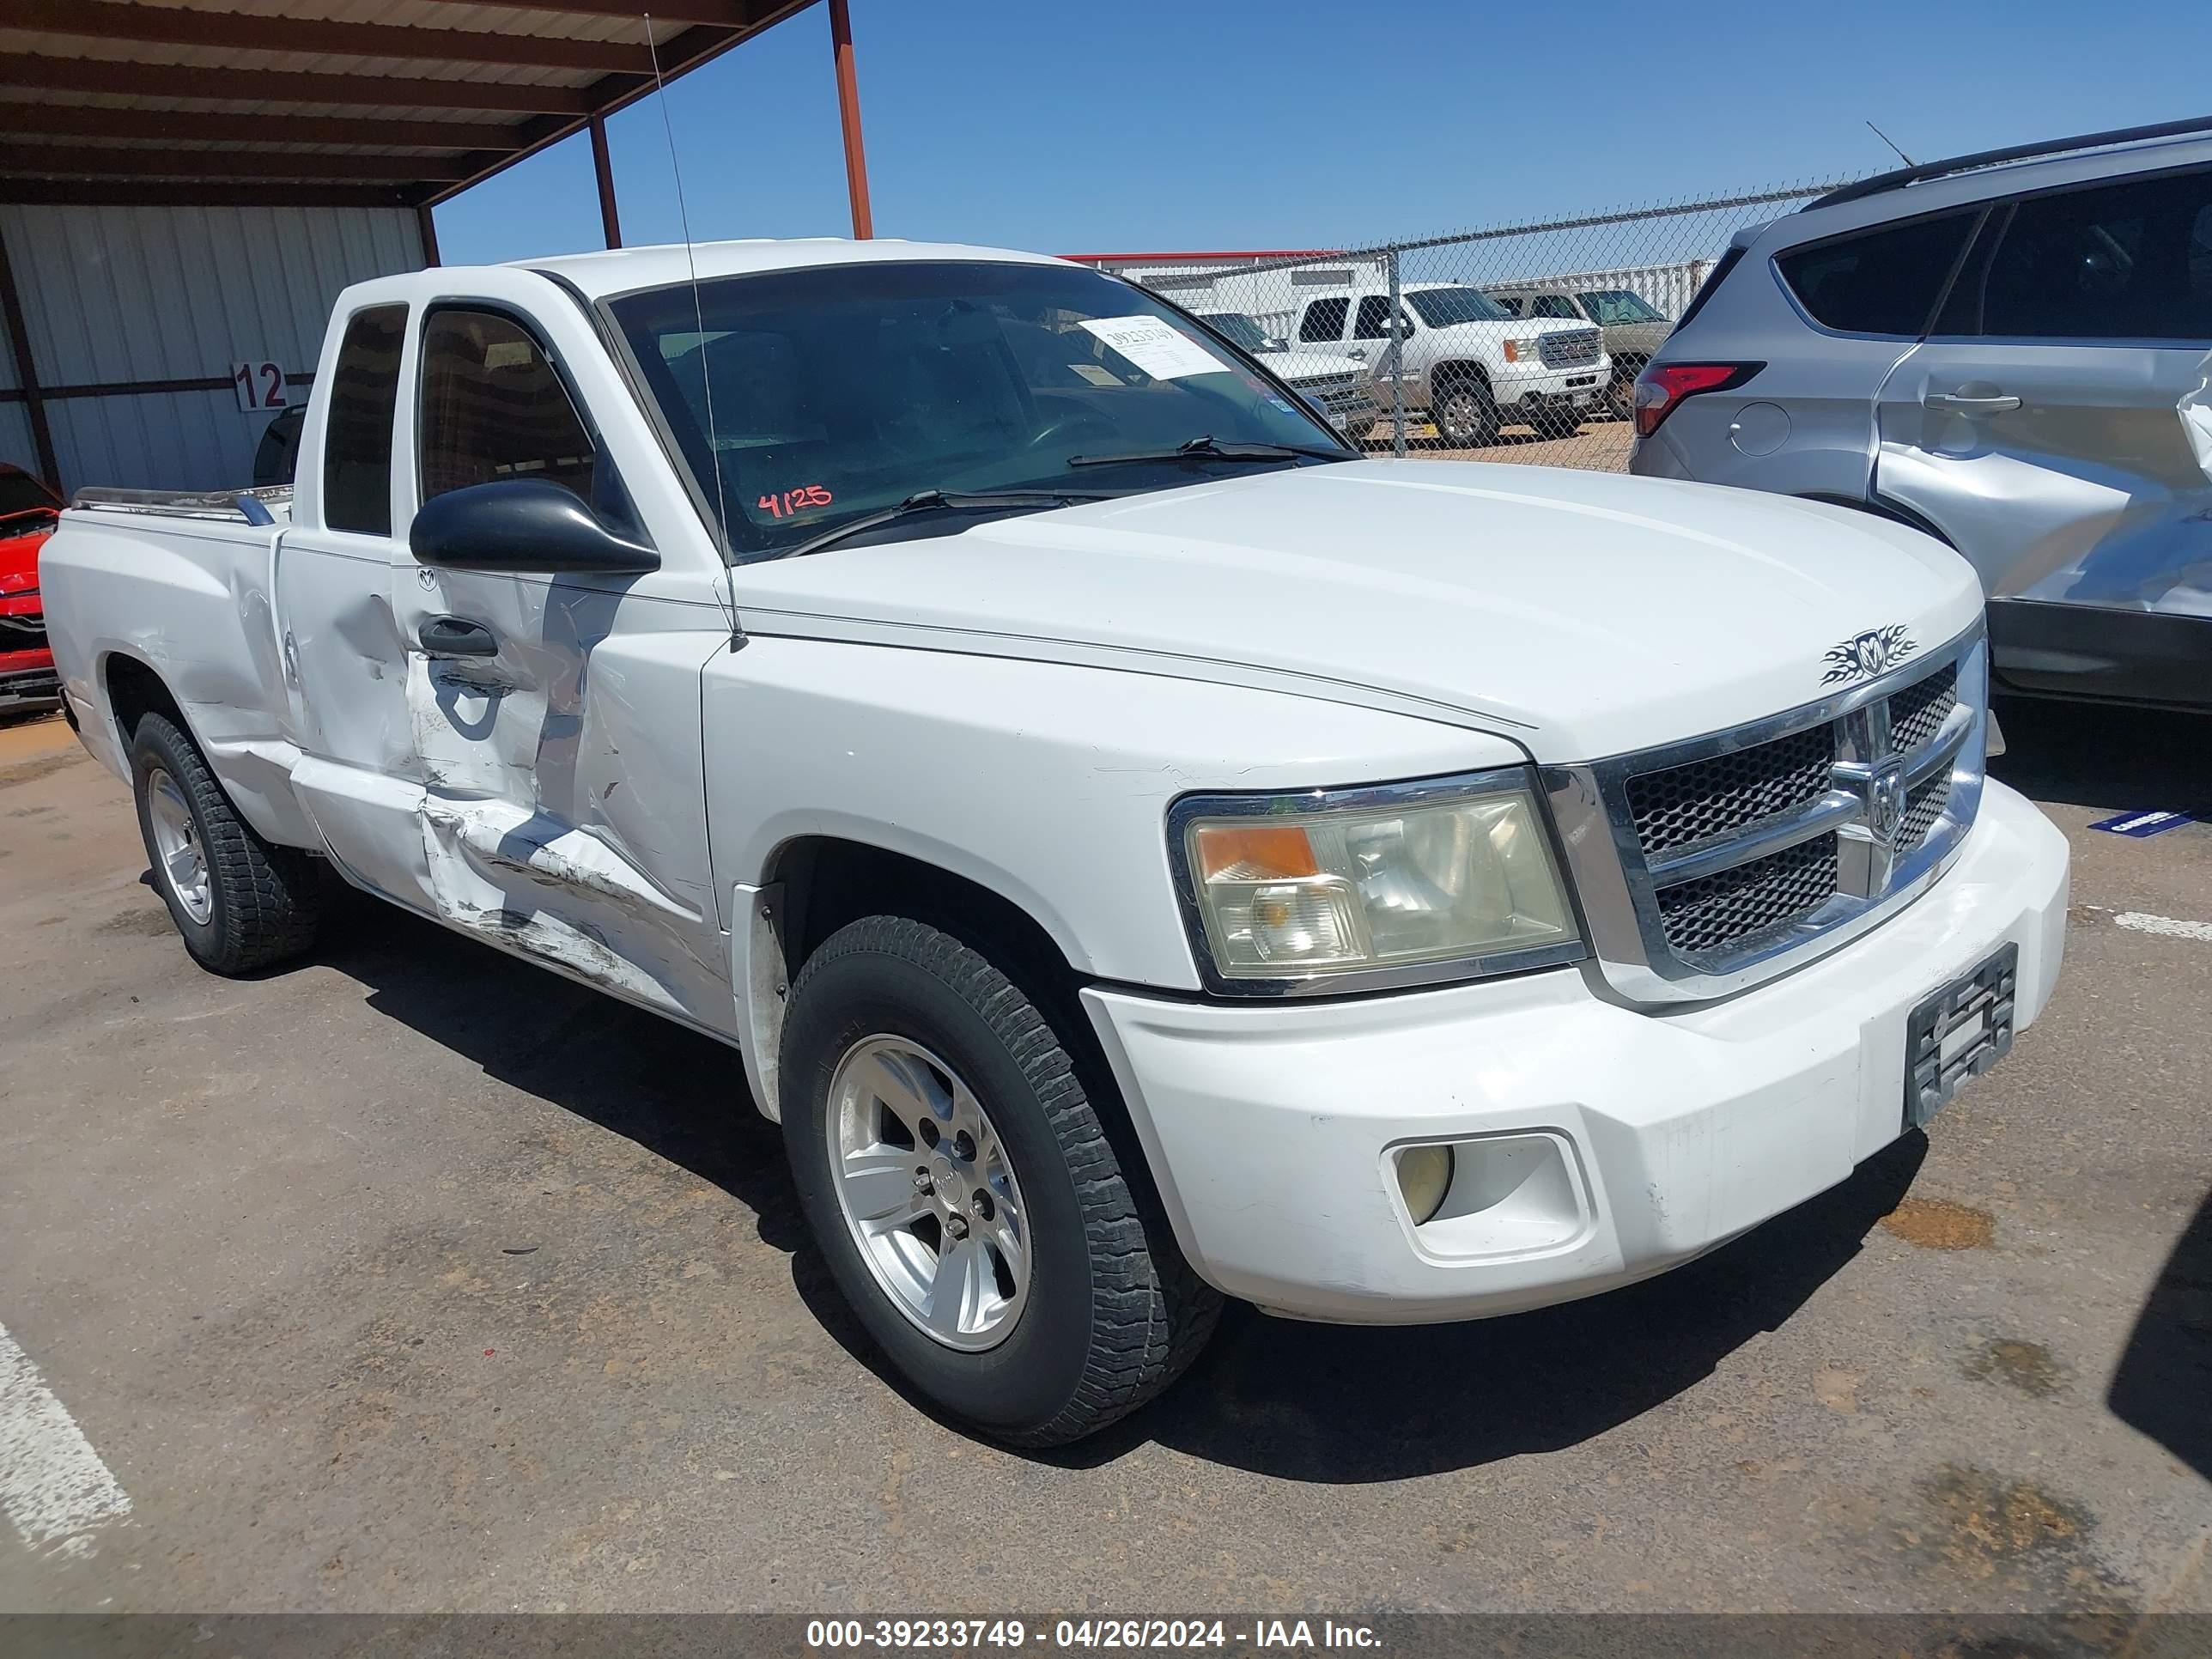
(2012, 351)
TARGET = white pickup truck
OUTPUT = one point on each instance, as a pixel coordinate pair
(1141, 851)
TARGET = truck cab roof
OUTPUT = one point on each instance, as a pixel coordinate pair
(623, 271)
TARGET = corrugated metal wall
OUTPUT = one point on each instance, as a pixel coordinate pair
(136, 293)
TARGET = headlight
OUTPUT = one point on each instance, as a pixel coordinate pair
(1399, 884)
(1524, 351)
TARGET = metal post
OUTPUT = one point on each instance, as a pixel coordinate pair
(603, 165)
(27, 373)
(848, 115)
(427, 226)
(1397, 365)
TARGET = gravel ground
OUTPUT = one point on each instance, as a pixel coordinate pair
(413, 1278)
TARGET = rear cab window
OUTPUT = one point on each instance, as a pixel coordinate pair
(1882, 281)
(1323, 323)
(357, 432)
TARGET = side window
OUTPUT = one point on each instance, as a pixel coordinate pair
(357, 433)
(1513, 305)
(1554, 305)
(1374, 316)
(1324, 320)
(2122, 262)
(1878, 282)
(493, 408)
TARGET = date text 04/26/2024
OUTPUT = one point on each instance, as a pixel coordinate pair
(896, 1635)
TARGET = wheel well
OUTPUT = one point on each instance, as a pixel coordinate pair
(134, 691)
(829, 881)
(1450, 374)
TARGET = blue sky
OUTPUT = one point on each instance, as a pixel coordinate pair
(1077, 127)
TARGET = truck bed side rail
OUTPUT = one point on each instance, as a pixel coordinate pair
(267, 506)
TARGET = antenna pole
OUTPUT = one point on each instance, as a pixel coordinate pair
(1885, 138)
(691, 264)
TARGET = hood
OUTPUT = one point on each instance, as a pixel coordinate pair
(1582, 614)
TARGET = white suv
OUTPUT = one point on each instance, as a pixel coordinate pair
(1468, 362)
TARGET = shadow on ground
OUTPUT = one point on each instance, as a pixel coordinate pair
(1308, 1402)
(2163, 1386)
(2113, 759)
(1340, 1404)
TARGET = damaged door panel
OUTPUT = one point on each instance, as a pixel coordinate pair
(529, 696)
(529, 834)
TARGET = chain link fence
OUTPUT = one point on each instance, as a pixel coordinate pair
(1516, 343)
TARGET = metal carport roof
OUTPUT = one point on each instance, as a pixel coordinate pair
(313, 103)
(324, 102)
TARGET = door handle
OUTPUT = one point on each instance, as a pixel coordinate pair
(1960, 402)
(456, 636)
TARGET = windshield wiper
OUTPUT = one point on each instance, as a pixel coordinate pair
(1207, 447)
(947, 501)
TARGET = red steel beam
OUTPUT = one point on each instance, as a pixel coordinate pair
(612, 93)
(190, 80)
(171, 125)
(177, 193)
(721, 14)
(848, 116)
(79, 161)
(603, 166)
(173, 26)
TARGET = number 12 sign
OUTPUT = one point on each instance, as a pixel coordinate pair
(259, 386)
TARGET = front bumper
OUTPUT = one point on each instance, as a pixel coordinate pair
(29, 684)
(1537, 388)
(1602, 1144)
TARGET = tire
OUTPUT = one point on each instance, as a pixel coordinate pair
(1620, 391)
(1466, 414)
(257, 904)
(1556, 422)
(1106, 1313)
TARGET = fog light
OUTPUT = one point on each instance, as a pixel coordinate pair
(1424, 1175)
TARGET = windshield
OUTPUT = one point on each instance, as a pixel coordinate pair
(1238, 327)
(1617, 304)
(842, 390)
(1440, 307)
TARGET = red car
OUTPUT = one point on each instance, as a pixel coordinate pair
(28, 513)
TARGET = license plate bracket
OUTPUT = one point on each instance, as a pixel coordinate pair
(1957, 1033)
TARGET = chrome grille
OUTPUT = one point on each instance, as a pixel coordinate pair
(1683, 805)
(1713, 912)
(1922, 807)
(1573, 348)
(22, 634)
(1707, 865)
(1916, 713)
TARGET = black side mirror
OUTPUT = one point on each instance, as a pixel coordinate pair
(521, 525)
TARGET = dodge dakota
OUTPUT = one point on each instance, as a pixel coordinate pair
(1141, 851)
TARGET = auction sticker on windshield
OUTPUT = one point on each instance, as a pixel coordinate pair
(1162, 352)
